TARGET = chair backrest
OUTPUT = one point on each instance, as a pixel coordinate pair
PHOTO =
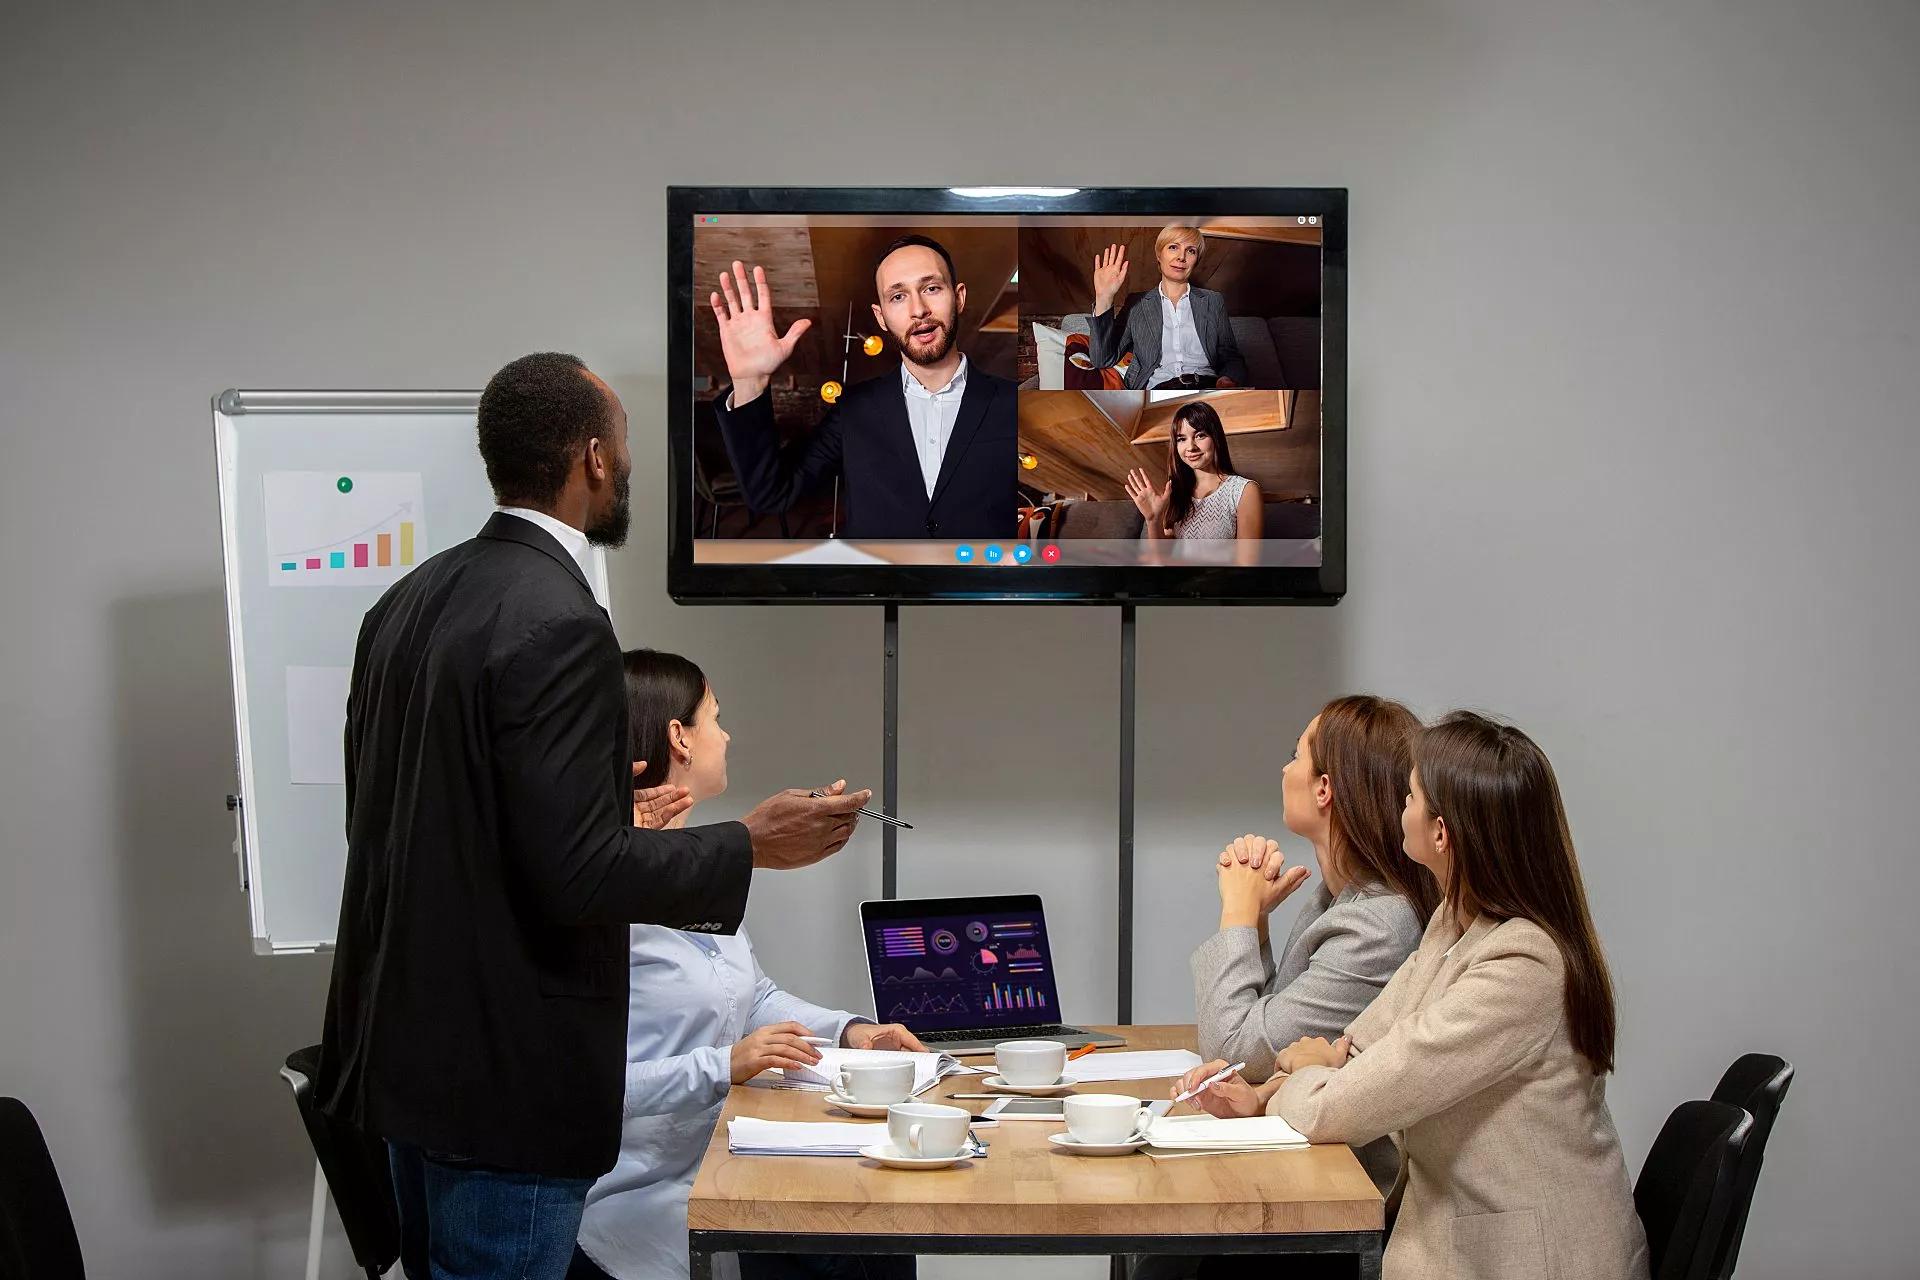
(37, 1240)
(1096, 519)
(356, 1170)
(1757, 1084)
(1686, 1187)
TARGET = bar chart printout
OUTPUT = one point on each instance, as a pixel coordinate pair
(342, 528)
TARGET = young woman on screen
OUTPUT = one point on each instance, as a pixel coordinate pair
(1203, 496)
(1488, 1053)
(701, 1017)
(1341, 792)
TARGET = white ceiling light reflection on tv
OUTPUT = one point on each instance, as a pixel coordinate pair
(994, 193)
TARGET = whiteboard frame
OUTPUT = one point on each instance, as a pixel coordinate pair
(227, 406)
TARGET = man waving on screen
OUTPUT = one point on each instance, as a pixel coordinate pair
(928, 454)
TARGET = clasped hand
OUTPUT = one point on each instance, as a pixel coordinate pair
(1254, 879)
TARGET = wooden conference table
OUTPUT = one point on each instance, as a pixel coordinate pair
(1027, 1197)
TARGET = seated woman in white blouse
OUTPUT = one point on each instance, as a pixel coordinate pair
(702, 1017)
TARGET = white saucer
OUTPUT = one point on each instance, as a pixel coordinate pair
(890, 1156)
(868, 1109)
(1028, 1090)
(1066, 1142)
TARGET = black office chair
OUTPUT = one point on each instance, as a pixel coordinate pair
(356, 1170)
(1757, 1084)
(1685, 1189)
(37, 1240)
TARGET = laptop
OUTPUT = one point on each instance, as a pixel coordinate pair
(964, 974)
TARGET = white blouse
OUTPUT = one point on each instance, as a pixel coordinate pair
(1217, 515)
(690, 997)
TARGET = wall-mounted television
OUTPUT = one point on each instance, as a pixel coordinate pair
(1119, 395)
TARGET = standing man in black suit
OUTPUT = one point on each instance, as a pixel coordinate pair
(931, 453)
(477, 1018)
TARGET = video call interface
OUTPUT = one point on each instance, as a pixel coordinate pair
(1007, 392)
(944, 972)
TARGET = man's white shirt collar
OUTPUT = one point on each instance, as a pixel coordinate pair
(571, 540)
(914, 387)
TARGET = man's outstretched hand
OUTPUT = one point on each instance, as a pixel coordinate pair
(794, 829)
(747, 339)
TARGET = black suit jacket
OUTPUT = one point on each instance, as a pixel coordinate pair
(867, 439)
(479, 998)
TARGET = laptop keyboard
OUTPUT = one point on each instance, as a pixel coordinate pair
(998, 1033)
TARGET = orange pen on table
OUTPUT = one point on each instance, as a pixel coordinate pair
(1081, 1052)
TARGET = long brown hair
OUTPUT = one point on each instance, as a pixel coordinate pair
(1513, 855)
(1202, 417)
(1364, 745)
(661, 688)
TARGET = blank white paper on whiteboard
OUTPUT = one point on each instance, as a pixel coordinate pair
(316, 725)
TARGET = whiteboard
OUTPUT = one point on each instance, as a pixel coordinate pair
(326, 499)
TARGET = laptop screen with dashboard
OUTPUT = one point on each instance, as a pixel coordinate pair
(940, 964)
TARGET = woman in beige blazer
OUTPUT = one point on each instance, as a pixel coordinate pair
(1486, 1056)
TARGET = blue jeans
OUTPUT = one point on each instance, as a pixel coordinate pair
(460, 1220)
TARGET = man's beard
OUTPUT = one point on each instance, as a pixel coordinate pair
(929, 354)
(610, 530)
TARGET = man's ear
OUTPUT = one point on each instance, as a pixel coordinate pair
(959, 298)
(598, 467)
(880, 317)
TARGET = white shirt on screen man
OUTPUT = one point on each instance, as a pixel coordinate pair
(932, 414)
(1180, 349)
(570, 539)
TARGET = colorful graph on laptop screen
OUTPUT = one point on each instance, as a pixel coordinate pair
(982, 969)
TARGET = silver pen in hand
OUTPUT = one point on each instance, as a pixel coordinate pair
(892, 822)
(1209, 1082)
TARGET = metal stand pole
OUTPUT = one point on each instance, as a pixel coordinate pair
(316, 1222)
(1124, 1005)
(890, 756)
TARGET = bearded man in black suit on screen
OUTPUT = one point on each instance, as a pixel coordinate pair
(928, 453)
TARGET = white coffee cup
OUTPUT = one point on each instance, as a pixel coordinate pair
(1105, 1119)
(875, 1082)
(928, 1129)
(1030, 1062)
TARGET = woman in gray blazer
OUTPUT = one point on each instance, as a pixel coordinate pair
(1341, 792)
(1487, 1056)
(1179, 333)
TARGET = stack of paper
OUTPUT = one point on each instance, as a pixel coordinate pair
(1138, 1064)
(747, 1136)
(928, 1068)
(1210, 1133)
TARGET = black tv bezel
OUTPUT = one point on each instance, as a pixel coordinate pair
(690, 583)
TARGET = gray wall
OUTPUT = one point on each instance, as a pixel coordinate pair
(1634, 332)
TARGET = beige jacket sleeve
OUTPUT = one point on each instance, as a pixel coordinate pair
(1495, 1016)
(1379, 1016)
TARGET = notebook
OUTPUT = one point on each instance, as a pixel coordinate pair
(928, 1068)
(1211, 1133)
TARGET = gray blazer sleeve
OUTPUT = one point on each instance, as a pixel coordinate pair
(1227, 361)
(1107, 340)
(1356, 947)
